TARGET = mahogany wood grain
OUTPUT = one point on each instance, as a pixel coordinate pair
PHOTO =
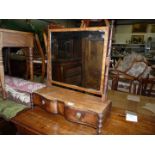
(38, 121)
(74, 106)
(78, 100)
(120, 100)
(117, 124)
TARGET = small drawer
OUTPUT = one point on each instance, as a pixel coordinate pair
(48, 105)
(83, 117)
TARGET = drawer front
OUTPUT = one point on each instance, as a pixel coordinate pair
(82, 117)
(48, 105)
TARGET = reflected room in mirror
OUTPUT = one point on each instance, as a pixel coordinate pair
(78, 58)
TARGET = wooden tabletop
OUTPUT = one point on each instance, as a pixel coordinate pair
(38, 121)
(136, 103)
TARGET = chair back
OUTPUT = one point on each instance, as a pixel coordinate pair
(38, 50)
(45, 41)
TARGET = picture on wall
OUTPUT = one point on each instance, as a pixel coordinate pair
(137, 39)
(139, 28)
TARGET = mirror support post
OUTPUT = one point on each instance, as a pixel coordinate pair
(108, 57)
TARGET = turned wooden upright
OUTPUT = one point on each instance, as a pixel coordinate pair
(11, 38)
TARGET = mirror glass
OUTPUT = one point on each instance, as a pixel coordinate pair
(77, 58)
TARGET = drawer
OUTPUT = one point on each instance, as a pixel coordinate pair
(82, 117)
(48, 105)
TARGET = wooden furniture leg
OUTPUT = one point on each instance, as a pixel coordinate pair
(31, 63)
(43, 71)
(115, 83)
(27, 68)
(9, 66)
(2, 82)
(130, 86)
(100, 123)
(151, 87)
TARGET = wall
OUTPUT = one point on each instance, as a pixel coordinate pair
(124, 32)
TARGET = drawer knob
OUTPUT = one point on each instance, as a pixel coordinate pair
(78, 115)
(43, 102)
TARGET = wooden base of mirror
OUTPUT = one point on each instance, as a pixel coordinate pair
(74, 106)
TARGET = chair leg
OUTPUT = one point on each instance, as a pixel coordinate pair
(134, 88)
(130, 87)
(27, 70)
(150, 90)
(114, 83)
(43, 71)
(139, 89)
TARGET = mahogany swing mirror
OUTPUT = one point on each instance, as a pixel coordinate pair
(77, 58)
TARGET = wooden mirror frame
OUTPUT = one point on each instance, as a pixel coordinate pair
(101, 91)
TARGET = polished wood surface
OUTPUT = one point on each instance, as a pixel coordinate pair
(11, 38)
(120, 100)
(74, 106)
(117, 124)
(38, 121)
(76, 99)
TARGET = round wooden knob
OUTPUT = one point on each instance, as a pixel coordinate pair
(43, 102)
(78, 115)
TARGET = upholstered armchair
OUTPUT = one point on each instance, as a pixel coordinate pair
(129, 73)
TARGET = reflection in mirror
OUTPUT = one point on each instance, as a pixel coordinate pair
(77, 58)
(14, 61)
